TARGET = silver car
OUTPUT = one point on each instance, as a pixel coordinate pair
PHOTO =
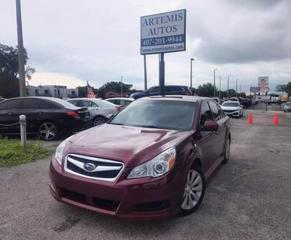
(121, 101)
(287, 107)
(100, 110)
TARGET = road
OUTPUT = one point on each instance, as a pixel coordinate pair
(249, 198)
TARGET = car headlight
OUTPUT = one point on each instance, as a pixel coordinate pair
(59, 154)
(156, 167)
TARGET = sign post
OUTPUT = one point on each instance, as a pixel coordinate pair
(163, 33)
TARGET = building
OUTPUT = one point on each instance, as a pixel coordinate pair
(48, 91)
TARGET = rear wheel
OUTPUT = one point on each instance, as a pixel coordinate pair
(194, 191)
(48, 131)
(99, 120)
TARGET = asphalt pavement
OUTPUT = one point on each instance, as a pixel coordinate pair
(249, 198)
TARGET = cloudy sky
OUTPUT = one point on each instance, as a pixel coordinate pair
(71, 42)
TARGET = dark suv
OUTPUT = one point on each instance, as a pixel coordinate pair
(46, 117)
(169, 90)
(150, 161)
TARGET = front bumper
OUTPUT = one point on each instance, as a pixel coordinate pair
(233, 113)
(143, 198)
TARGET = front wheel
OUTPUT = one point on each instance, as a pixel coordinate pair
(226, 154)
(194, 191)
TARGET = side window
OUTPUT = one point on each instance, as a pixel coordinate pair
(221, 112)
(93, 104)
(154, 89)
(214, 109)
(205, 113)
(30, 104)
(10, 104)
(48, 105)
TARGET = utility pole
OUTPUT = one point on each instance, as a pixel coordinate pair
(219, 89)
(21, 71)
(121, 87)
(214, 82)
(236, 87)
(191, 61)
(145, 72)
(228, 86)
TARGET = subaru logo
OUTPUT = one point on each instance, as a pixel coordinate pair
(90, 167)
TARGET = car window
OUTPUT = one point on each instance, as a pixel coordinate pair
(29, 104)
(230, 104)
(175, 115)
(10, 104)
(206, 113)
(154, 89)
(48, 105)
(220, 112)
(214, 109)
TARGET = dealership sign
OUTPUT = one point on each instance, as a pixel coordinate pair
(164, 32)
(263, 84)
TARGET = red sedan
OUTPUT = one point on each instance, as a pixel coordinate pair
(149, 162)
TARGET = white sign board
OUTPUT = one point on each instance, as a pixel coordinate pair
(263, 84)
(164, 32)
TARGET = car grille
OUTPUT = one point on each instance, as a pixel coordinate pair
(93, 168)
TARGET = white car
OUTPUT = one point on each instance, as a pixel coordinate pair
(121, 101)
(100, 110)
(233, 108)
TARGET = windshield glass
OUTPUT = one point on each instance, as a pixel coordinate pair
(175, 115)
(230, 104)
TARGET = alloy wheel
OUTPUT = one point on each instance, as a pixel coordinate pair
(47, 131)
(193, 190)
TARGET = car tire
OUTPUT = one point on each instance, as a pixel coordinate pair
(98, 120)
(193, 191)
(48, 131)
(226, 153)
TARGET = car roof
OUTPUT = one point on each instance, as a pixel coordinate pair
(53, 99)
(231, 102)
(120, 98)
(176, 98)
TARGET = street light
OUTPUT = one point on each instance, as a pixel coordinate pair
(228, 85)
(236, 87)
(214, 81)
(191, 60)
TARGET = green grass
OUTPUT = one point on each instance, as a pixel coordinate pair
(11, 153)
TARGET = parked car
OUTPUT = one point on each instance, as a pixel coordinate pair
(46, 117)
(287, 107)
(169, 90)
(100, 110)
(121, 101)
(246, 102)
(232, 108)
(150, 161)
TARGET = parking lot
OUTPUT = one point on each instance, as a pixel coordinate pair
(249, 198)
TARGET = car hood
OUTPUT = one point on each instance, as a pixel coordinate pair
(131, 145)
(230, 108)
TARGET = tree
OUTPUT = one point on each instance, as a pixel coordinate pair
(206, 90)
(288, 89)
(116, 87)
(9, 81)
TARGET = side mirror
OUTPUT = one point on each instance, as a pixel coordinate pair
(210, 125)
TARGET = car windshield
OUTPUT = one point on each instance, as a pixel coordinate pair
(177, 115)
(230, 104)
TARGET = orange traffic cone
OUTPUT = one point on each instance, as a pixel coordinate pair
(250, 118)
(276, 119)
